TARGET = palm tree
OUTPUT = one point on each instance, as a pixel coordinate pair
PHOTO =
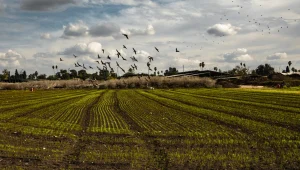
(56, 68)
(290, 63)
(203, 65)
(53, 70)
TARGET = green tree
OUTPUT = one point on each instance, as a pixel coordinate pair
(24, 75)
(171, 71)
(36, 74)
(41, 77)
(287, 69)
(17, 76)
(264, 70)
(73, 73)
(82, 74)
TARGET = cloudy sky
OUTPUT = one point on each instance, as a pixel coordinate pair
(35, 34)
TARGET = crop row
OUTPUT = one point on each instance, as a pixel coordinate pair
(156, 118)
(16, 98)
(275, 98)
(64, 116)
(249, 111)
(258, 129)
(104, 117)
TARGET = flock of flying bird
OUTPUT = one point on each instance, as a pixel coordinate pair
(134, 59)
(107, 64)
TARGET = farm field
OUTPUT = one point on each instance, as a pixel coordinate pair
(150, 129)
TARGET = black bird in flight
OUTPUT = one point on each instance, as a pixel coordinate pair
(177, 50)
(91, 67)
(79, 64)
(99, 56)
(123, 58)
(76, 65)
(108, 57)
(133, 59)
(126, 36)
(122, 69)
(108, 63)
(97, 62)
(61, 59)
(135, 66)
(150, 58)
(156, 49)
(103, 63)
(134, 51)
(103, 51)
(84, 66)
(74, 55)
(132, 67)
(124, 47)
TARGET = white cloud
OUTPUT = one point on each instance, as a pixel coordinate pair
(148, 31)
(123, 2)
(11, 59)
(104, 30)
(241, 54)
(2, 6)
(277, 56)
(83, 49)
(45, 36)
(75, 30)
(223, 30)
(44, 5)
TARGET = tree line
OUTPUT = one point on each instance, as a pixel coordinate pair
(62, 74)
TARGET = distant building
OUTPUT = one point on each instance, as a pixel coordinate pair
(198, 73)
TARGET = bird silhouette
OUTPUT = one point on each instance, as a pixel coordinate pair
(135, 66)
(108, 57)
(76, 65)
(103, 51)
(103, 63)
(79, 64)
(108, 63)
(97, 62)
(124, 47)
(74, 55)
(99, 56)
(177, 50)
(133, 59)
(150, 58)
(132, 67)
(134, 51)
(91, 67)
(123, 58)
(156, 49)
(61, 59)
(117, 64)
(126, 36)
